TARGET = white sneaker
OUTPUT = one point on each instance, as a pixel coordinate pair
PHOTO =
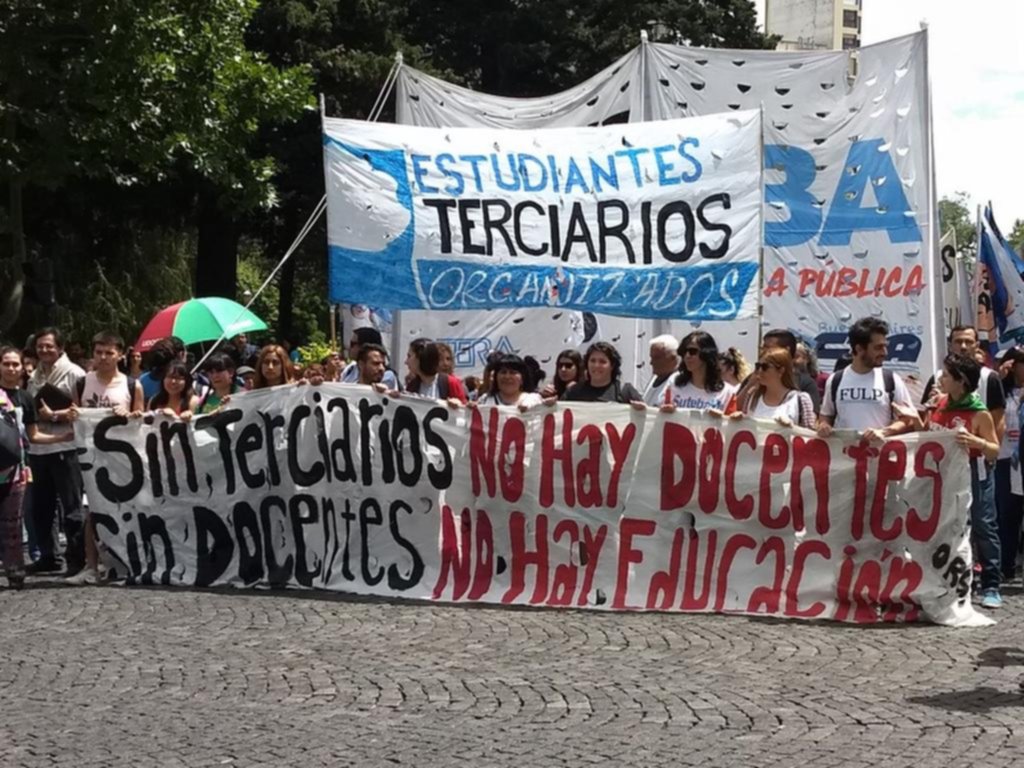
(85, 577)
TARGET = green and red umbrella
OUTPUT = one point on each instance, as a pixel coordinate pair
(196, 320)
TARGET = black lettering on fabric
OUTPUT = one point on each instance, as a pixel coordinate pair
(111, 491)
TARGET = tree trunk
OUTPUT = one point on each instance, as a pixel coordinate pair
(217, 250)
(12, 272)
(286, 298)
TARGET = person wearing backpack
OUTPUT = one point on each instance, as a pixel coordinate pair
(863, 396)
(425, 376)
(105, 387)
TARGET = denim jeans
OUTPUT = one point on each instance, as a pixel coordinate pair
(1010, 510)
(57, 476)
(985, 525)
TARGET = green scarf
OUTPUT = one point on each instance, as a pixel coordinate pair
(969, 402)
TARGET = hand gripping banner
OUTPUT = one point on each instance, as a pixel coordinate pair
(644, 220)
(594, 506)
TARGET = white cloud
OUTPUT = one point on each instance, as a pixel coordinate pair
(977, 72)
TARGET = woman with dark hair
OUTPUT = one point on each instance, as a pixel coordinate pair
(509, 384)
(425, 377)
(773, 394)
(961, 409)
(273, 367)
(806, 362)
(220, 369)
(568, 373)
(699, 384)
(133, 363)
(175, 398)
(603, 365)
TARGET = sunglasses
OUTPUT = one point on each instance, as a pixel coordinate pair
(764, 366)
(567, 365)
(692, 351)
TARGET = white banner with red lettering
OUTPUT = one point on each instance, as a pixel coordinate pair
(591, 506)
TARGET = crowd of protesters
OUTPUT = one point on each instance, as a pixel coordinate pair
(43, 390)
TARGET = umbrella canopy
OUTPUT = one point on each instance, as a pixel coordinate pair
(196, 320)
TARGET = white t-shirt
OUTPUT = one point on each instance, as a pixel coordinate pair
(691, 396)
(863, 401)
(96, 394)
(431, 390)
(1011, 436)
(526, 400)
(654, 394)
(789, 408)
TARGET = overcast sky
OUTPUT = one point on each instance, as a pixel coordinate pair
(977, 71)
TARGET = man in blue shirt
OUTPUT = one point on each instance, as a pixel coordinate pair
(361, 336)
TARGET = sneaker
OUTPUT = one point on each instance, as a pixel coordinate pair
(991, 598)
(86, 576)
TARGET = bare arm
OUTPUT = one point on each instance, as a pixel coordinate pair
(984, 437)
(41, 438)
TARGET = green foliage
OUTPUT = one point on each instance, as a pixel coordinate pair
(957, 213)
(309, 306)
(1016, 236)
(119, 117)
(253, 269)
(314, 352)
(141, 91)
(150, 270)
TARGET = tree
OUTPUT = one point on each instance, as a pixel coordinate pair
(956, 213)
(536, 47)
(130, 94)
(1016, 237)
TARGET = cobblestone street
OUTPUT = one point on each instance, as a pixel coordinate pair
(170, 677)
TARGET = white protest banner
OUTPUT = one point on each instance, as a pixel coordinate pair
(643, 220)
(849, 218)
(849, 228)
(597, 506)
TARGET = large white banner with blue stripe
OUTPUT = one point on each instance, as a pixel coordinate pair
(658, 220)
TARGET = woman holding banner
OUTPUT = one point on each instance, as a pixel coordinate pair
(699, 385)
(508, 385)
(961, 409)
(273, 367)
(568, 373)
(773, 395)
(603, 364)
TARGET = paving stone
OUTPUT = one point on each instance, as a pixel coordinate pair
(173, 677)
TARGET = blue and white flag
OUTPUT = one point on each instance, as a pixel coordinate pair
(659, 219)
(1005, 271)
